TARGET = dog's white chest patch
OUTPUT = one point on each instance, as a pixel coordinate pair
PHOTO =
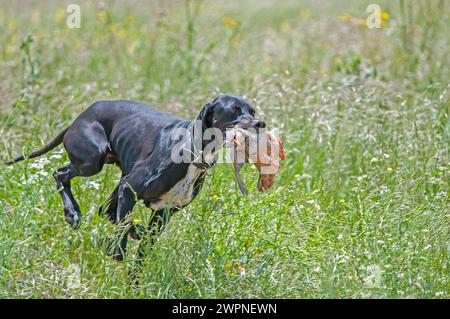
(181, 193)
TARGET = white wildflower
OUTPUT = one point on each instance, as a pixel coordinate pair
(94, 185)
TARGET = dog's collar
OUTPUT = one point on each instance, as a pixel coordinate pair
(198, 160)
(203, 165)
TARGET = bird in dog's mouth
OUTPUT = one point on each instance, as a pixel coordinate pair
(262, 148)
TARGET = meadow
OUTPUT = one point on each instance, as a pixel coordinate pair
(360, 208)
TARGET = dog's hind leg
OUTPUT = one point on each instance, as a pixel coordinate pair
(126, 200)
(110, 208)
(72, 211)
(87, 146)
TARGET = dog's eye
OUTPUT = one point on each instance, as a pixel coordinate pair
(236, 108)
(252, 112)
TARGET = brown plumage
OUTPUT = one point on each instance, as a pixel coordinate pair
(266, 157)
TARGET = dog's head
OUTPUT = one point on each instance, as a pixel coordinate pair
(228, 111)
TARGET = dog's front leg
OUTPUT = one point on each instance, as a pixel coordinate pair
(156, 225)
(125, 204)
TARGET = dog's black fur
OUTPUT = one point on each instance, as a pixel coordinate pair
(137, 138)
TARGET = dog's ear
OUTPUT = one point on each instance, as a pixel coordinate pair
(206, 115)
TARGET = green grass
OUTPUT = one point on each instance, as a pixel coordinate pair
(360, 208)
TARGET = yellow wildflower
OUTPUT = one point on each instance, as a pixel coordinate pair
(102, 16)
(129, 20)
(12, 44)
(326, 45)
(11, 25)
(120, 33)
(59, 15)
(360, 22)
(346, 17)
(305, 14)
(384, 15)
(215, 7)
(286, 27)
(230, 22)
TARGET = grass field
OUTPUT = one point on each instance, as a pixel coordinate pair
(360, 208)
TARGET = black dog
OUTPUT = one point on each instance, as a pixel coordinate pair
(139, 140)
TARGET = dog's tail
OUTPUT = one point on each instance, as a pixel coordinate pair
(55, 142)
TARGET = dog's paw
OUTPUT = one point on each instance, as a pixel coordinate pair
(73, 218)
